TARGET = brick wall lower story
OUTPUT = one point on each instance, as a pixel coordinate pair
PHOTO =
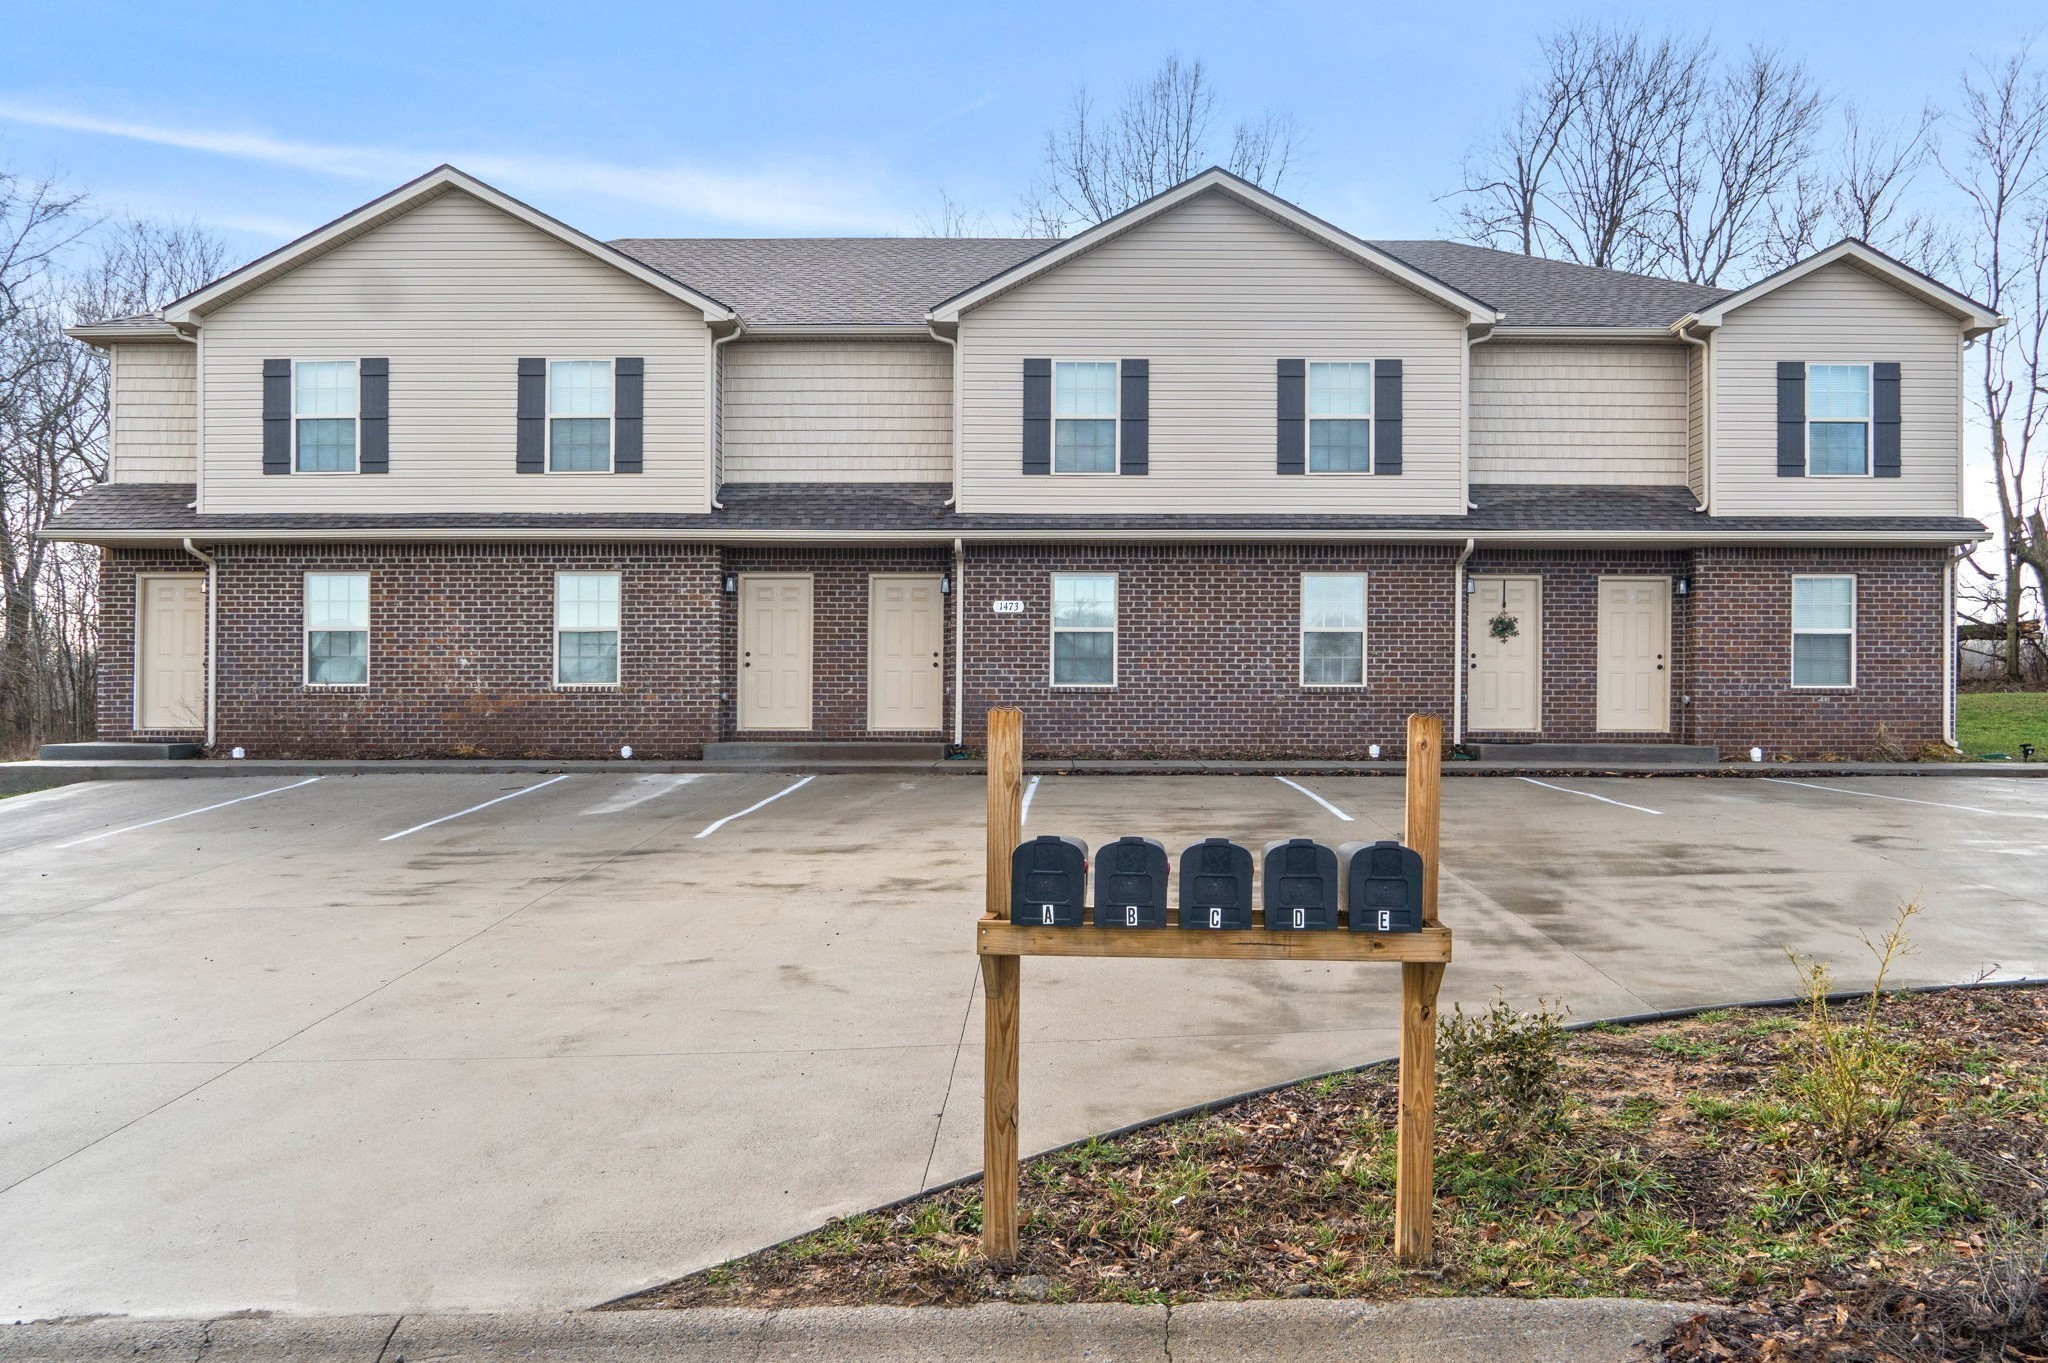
(1208, 648)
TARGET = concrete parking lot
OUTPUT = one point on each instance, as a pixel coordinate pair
(460, 1041)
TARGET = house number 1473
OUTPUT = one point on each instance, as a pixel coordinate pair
(1007, 607)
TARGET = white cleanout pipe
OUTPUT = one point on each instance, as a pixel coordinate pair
(711, 431)
(1458, 658)
(959, 640)
(955, 357)
(212, 628)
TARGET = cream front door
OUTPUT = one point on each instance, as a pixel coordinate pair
(1635, 647)
(775, 652)
(170, 661)
(1504, 662)
(906, 636)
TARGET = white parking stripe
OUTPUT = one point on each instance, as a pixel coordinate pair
(510, 795)
(1024, 811)
(1591, 796)
(709, 829)
(1907, 799)
(169, 818)
(1313, 796)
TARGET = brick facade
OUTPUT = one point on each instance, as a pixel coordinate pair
(1208, 648)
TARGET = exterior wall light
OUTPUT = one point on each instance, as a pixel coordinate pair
(945, 584)
(1683, 585)
(732, 585)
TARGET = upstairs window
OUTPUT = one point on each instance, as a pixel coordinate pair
(1837, 420)
(324, 416)
(1084, 629)
(1084, 417)
(1333, 629)
(1339, 418)
(586, 629)
(1824, 631)
(337, 629)
(579, 416)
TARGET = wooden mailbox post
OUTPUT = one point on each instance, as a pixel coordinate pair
(1002, 945)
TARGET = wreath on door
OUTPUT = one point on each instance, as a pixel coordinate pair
(1503, 626)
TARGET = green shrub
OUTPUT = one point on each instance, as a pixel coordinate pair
(1500, 1074)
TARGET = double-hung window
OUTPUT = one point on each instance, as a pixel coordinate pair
(579, 416)
(337, 629)
(1340, 417)
(1084, 417)
(586, 629)
(1084, 629)
(1333, 629)
(1837, 420)
(1824, 631)
(324, 415)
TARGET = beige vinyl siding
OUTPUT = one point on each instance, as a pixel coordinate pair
(1562, 412)
(454, 293)
(153, 420)
(1696, 420)
(1838, 313)
(1212, 293)
(837, 411)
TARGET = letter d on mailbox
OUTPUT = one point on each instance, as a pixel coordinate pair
(1383, 886)
(1216, 885)
(1300, 885)
(1130, 884)
(1049, 882)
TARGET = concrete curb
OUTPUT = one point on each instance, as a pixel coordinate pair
(1440, 1330)
(18, 778)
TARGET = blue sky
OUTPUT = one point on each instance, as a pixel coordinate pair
(647, 119)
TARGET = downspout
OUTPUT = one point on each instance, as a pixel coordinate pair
(712, 434)
(1706, 412)
(1465, 432)
(955, 402)
(1948, 650)
(959, 642)
(212, 628)
(1458, 633)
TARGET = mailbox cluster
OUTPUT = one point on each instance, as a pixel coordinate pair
(1379, 884)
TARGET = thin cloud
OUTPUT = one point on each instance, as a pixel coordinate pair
(785, 198)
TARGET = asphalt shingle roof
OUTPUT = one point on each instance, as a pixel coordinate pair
(115, 509)
(1535, 292)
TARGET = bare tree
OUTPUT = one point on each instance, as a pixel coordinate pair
(1507, 182)
(954, 219)
(1158, 135)
(2001, 171)
(1864, 189)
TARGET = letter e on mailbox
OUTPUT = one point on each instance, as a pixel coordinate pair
(1383, 886)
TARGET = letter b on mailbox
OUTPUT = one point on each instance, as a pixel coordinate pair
(1216, 885)
(1383, 887)
(1300, 885)
(1130, 884)
(1049, 882)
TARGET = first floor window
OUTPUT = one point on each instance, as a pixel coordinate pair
(337, 629)
(580, 416)
(1084, 417)
(1824, 631)
(1333, 629)
(324, 415)
(1340, 418)
(586, 629)
(1084, 629)
(1837, 420)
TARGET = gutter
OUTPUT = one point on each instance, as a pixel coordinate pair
(711, 431)
(953, 401)
(1458, 612)
(212, 629)
(1678, 329)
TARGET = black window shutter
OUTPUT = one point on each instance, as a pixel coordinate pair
(1791, 418)
(277, 416)
(628, 388)
(1386, 416)
(1135, 410)
(1292, 405)
(1038, 416)
(373, 412)
(1884, 420)
(533, 415)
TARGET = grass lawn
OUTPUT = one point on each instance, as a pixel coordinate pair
(1999, 721)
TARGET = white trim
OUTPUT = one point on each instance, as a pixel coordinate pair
(617, 631)
(354, 417)
(1115, 419)
(1054, 630)
(1309, 419)
(1975, 318)
(611, 416)
(1222, 181)
(1869, 368)
(1792, 645)
(1302, 631)
(135, 648)
(193, 306)
(306, 632)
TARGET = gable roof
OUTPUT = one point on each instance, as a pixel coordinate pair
(1531, 291)
(1219, 181)
(441, 180)
(1975, 317)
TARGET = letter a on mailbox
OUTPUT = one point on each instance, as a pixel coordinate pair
(1049, 882)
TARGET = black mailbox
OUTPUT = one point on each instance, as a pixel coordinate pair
(1216, 885)
(1300, 885)
(1130, 884)
(1382, 886)
(1049, 882)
